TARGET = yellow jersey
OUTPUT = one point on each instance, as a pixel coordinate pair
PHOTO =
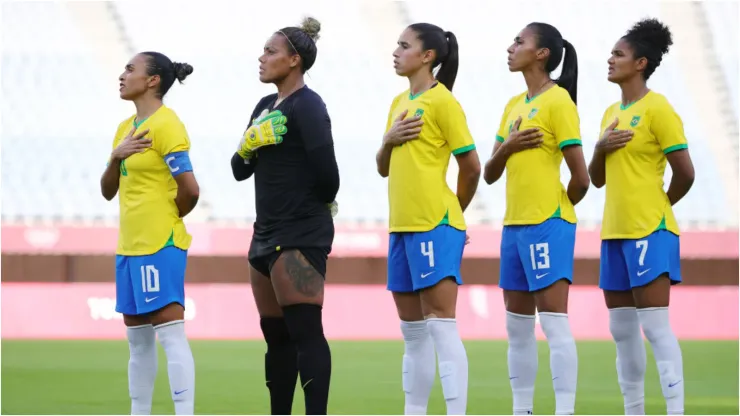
(534, 192)
(419, 196)
(636, 204)
(149, 219)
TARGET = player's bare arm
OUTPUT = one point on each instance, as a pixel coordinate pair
(610, 141)
(402, 131)
(468, 177)
(128, 146)
(683, 175)
(579, 180)
(188, 193)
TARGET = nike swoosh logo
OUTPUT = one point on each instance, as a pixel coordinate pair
(674, 384)
(540, 276)
(642, 272)
(177, 393)
(147, 300)
(426, 274)
(512, 378)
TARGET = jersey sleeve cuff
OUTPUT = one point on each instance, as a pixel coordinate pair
(463, 149)
(499, 139)
(674, 148)
(570, 142)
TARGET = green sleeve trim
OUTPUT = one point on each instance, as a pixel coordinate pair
(463, 149)
(570, 142)
(499, 138)
(675, 147)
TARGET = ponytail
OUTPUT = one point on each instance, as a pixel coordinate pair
(569, 74)
(448, 70)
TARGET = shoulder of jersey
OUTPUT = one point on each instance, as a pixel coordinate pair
(561, 94)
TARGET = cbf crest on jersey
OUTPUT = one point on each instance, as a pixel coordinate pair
(532, 113)
(635, 121)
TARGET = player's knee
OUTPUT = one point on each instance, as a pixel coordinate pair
(448, 374)
(169, 313)
(304, 322)
(275, 331)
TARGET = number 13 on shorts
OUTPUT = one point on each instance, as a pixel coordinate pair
(539, 254)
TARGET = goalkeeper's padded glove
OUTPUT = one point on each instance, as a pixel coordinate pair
(268, 130)
(333, 208)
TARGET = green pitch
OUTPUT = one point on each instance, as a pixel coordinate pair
(89, 377)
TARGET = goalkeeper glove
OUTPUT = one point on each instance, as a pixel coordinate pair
(333, 208)
(268, 130)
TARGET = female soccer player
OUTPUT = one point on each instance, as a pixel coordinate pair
(289, 149)
(640, 249)
(427, 228)
(151, 168)
(538, 129)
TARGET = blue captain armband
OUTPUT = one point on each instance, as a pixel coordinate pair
(178, 162)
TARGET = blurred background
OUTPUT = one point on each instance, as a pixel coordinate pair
(60, 108)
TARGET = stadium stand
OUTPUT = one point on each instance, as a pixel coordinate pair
(60, 103)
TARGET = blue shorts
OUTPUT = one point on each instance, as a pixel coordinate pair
(534, 257)
(148, 283)
(626, 264)
(420, 260)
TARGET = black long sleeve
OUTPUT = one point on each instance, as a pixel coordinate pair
(241, 169)
(324, 163)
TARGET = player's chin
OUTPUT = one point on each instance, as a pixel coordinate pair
(613, 77)
(125, 96)
(265, 78)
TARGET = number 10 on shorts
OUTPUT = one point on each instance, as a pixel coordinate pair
(540, 255)
(149, 279)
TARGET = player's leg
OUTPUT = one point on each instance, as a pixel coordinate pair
(419, 361)
(521, 355)
(142, 346)
(281, 358)
(654, 264)
(298, 280)
(547, 253)
(434, 261)
(160, 293)
(624, 326)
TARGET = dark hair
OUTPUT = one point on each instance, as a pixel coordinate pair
(168, 71)
(445, 45)
(302, 40)
(560, 50)
(650, 39)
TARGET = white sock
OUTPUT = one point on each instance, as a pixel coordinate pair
(624, 325)
(563, 360)
(453, 364)
(419, 366)
(523, 360)
(668, 357)
(142, 367)
(180, 365)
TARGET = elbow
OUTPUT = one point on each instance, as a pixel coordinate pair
(488, 175)
(474, 172)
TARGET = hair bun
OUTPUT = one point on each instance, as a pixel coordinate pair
(182, 70)
(311, 27)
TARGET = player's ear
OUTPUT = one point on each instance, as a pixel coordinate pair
(295, 61)
(543, 53)
(641, 64)
(154, 80)
(428, 56)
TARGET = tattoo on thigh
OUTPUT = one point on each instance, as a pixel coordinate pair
(306, 280)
